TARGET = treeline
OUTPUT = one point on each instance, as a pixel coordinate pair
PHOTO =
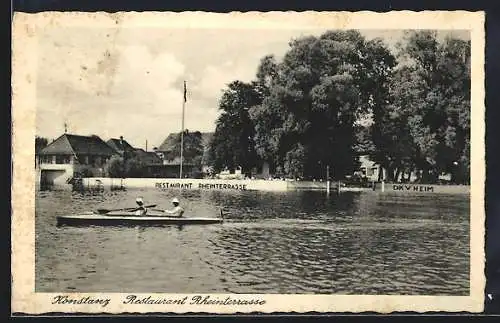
(339, 95)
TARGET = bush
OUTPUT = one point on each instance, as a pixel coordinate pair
(116, 167)
(84, 171)
(134, 168)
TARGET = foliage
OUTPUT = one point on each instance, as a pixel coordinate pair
(192, 147)
(119, 167)
(313, 99)
(40, 143)
(233, 144)
(85, 171)
(116, 167)
(426, 124)
(364, 143)
(339, 95)
(134, 167)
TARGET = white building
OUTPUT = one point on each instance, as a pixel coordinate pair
(71, 154)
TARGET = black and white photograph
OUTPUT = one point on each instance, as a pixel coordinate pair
(187, 161)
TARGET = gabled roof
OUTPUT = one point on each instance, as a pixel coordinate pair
(119, 145)
(147, 157)
(169, 143)
(68, 144)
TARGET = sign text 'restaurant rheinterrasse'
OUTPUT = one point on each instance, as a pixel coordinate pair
(201, 186)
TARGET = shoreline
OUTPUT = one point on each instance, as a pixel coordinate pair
(264, 185)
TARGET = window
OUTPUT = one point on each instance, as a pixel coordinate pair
(48, 159)
(62, 159)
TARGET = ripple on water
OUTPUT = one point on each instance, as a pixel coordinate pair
(294, 242)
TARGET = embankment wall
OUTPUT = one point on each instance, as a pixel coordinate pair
(263, 185)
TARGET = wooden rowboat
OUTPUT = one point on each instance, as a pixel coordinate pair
(128, 218)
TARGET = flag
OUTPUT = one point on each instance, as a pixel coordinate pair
(185, 92)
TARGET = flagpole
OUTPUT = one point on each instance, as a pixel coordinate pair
(182, 130)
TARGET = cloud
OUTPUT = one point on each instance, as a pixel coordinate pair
(124, 89)
(129, 82)
(216, 78)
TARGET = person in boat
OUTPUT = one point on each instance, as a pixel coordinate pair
(177, 211)
(141, 210)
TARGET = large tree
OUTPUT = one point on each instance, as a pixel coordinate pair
(425, 125)
(303, 113)
(313, 99)
(233, 145)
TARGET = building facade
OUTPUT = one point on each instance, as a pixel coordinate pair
(72, 155)
(120, 146)
(195, 162)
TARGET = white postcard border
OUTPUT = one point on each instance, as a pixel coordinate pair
(26, 27)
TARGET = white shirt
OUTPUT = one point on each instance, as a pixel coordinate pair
(141, 211)
(176, 211)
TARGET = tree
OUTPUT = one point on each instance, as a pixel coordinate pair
(313, 98)
(364, 142)
(454, 70)
(134, 167)
(116, 167)
(425, 125)
(392, 137)
(40, 143)
(233, 144)
(303, 113)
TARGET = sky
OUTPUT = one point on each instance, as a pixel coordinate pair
(129, 81)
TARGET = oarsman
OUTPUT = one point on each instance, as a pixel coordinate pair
(177, 211)
(141, 210)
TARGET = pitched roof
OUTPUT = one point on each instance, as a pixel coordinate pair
(119, 145)
(147, 157)
(169, 143)
(68, 144)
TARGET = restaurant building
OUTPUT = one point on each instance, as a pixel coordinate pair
(72, 155)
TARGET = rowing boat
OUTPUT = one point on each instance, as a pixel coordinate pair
(129, 218)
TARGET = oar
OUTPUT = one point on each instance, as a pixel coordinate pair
(163, 215)
(104, 211)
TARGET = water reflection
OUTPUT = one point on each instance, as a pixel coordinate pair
(294, 242)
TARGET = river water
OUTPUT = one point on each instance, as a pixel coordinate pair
(288, 243)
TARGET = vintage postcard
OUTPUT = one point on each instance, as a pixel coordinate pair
(248, 162)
